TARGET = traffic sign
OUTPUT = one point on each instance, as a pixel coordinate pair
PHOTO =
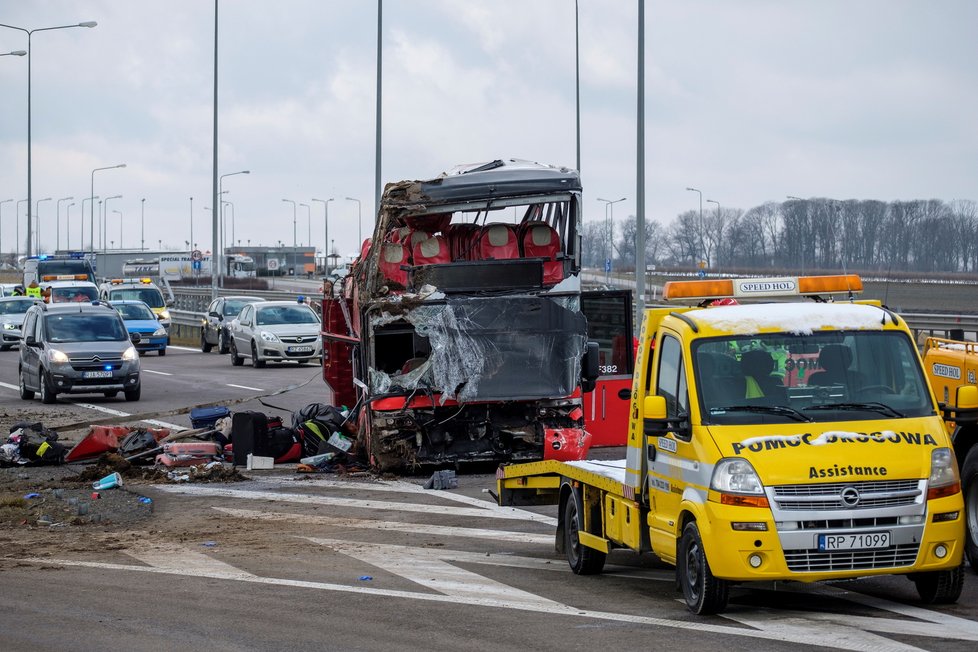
(607, 264)
(196, 255)
(272, 264)
(195, 264)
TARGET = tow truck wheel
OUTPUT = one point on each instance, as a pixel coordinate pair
(582, 560)
(969, 484)
(940, 587)
(704, 593)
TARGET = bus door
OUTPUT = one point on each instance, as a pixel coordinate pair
(609, 323)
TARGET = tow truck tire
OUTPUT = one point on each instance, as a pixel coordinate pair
(582, 560)
(236, 360)
(704, 593)
(969, 486)
(940, 587)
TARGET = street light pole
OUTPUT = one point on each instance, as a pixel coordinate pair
(91, 206)
(57, 230)
(325, 203)
(609, 207)
(119, 213)
(700, 192)
(218, 254)
(17, 235)
(716, 256)
(142, 224)
(190, 246)
(293, 233)
(105, 218)
(359, 222)
(223, 231)
(68, 226)
(37, 231)
(81, 224)
(308, 223)
(30, 32)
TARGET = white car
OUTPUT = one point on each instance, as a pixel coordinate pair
(12, 311)
(275, 331)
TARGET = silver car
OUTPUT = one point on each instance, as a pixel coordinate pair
(275, 331)
(12, 311)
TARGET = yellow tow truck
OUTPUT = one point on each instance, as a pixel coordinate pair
(743, 464)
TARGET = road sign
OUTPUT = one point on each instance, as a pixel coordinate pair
(607, 264)
(195, 265)
(272, 264)
(196, 255)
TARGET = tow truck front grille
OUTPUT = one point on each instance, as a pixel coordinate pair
(829, 496)
(813, 561)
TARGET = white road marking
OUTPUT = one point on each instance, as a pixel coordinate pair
(9, 386)
(308, 499)
(254, 389)
(182, 348)
(158, 373)
(394, 526)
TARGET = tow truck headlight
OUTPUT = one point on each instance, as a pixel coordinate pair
(268, 337)
(130, 354)
(165, 314)
(56, 356)
(944, 479)
(738, 484)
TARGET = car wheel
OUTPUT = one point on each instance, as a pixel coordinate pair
(222, 343)
(25, 393)
(163, 351)
(236, 360)
(48, 395)
(940, 587)
(4, 347)
(133, 394)
(256, 362)
(205, 346)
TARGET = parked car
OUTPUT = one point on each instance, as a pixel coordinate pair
(139, 318)
(12, 312)
(77, 348)
(220, 312)
(275, 331)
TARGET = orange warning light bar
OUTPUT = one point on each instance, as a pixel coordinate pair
(743, 288)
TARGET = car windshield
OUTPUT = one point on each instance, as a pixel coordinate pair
(135, 311)
(297, 314)
(150, 296)
(62, 295)
(84, 327)
(857, 375)
(16, 307)
(233, 306)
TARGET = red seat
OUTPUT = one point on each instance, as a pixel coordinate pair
(460, 241)
(498, 242)
(431, 251)
(541, 241)
(392, 256)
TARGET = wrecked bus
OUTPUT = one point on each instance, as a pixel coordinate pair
(459, 330)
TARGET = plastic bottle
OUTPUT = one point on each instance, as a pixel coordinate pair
(316, 460)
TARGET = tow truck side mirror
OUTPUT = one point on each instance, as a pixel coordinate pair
(589, 367)
(655, 417)
(967, 397)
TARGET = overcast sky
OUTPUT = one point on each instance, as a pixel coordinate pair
(748, 100)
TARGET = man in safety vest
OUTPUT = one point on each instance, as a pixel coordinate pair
(34, 290)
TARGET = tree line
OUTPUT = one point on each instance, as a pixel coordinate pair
(809, 235)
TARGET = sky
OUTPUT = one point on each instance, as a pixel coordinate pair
(747, 100)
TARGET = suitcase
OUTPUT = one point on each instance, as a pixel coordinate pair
(206, 417)
(263, 436)
(192, 448)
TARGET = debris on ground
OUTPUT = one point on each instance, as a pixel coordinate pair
(32, 444)
(442, 480)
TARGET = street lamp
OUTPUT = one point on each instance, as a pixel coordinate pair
(218, 246)
(30, 32)
(15, 53)
(91, 207)
(359, 222)
(223, 230)
(119, 213)
(142, 224)
(325, 203)
(104, 217)
(57, 230)
(294, 252)
(609, 208)
(37, 216)
(697, 190)
(68, 225)
(308, 223)
(1, 223)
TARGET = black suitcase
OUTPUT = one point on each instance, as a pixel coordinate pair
(249, 434)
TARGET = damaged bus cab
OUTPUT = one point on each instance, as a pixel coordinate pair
(459, 330)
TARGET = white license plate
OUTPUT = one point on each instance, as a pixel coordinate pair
(300, 349)
(97, 374)
(861, 541)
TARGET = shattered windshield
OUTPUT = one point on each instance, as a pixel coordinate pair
(480, 348)
(856, 375)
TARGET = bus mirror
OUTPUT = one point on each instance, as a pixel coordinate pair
(589, 368)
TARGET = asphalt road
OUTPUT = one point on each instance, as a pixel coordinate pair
(318, 562)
